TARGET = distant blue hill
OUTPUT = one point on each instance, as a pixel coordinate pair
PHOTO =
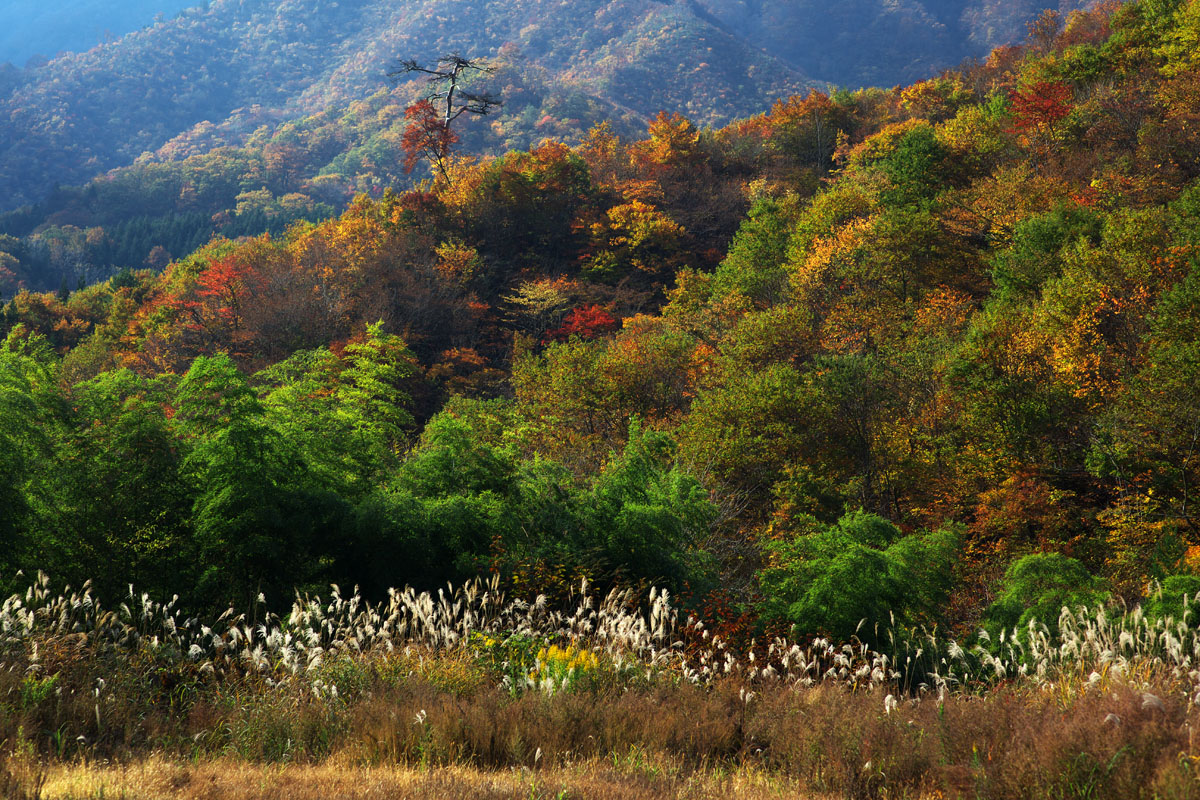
(36, 27)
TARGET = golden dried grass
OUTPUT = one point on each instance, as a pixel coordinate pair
(638, 778)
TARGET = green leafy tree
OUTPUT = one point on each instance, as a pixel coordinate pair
(743, 431)
(463, 503)
(1176, 598)
(259, 525)
(370, 394)
(347, 415)
(1015, 405)
(857, 577)
(648, 515)
(1149, 439)
(917, 169)
(1038, 587)
(439, 518)
(121, 498)
(755, 263)
(26, 375)
(1033, 257)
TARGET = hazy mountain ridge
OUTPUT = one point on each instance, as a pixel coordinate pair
(29, 28)
(878, 42)
(86, 113)
(592, 47)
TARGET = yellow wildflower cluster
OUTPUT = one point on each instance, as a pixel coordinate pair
(559, 662)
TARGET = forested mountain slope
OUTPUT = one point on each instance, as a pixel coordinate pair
(259, 172)
(239, 64)
(238, 118)
(244, 59)
(929, 351)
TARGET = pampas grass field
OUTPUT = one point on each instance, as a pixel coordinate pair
(468, 693)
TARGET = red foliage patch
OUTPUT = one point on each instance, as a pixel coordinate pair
(587, 322)
(1041, 105)
(427, 136)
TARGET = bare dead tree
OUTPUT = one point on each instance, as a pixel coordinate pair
(429, 135)
(445, 85)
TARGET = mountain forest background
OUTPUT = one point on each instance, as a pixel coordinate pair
(683, 313)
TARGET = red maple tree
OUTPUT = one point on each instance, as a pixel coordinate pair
(428, 136)
(1041, 106)
(587, 322)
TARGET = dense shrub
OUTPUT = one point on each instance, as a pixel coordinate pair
(850, 578)
(1039, 586)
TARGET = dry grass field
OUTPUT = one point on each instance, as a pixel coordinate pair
(159, 778)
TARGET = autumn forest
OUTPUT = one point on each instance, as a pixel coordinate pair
(857, 365)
